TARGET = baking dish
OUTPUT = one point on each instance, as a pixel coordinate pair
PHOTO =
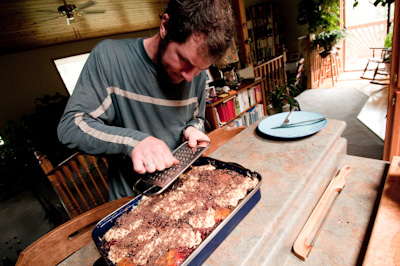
(212, 241)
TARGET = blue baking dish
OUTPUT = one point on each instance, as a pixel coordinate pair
(204, 250)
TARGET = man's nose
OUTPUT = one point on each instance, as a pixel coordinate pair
(189, 74)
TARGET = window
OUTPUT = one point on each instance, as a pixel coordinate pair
(70, 68)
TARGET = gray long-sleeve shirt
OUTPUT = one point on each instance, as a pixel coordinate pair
(122, 97)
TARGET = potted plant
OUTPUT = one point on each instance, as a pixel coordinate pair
(329, 39)
(283, 98)
(388, 46)
(388, 40)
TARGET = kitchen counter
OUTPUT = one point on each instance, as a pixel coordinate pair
(295, 173)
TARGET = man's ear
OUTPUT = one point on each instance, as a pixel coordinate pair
(164, 26)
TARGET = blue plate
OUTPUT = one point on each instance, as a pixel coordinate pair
(296, 131)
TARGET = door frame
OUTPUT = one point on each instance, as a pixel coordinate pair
(392, 138)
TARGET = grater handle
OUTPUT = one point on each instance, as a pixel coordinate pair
(147, 191)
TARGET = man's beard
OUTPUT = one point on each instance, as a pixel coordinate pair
(162, 46)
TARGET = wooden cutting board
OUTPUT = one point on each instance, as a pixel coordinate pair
(384, 244)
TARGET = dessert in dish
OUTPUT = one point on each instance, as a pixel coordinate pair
(165, 229)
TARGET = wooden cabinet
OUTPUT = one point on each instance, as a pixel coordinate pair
(212, 115)
(262, 26)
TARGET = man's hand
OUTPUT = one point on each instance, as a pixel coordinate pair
(195, 137)
(152, 154)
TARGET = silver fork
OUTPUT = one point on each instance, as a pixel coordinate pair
(286, 121)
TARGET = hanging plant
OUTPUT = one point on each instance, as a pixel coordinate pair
(320, 15)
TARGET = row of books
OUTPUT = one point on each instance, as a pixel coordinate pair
(249, 117)
(241, 102)
(262, 32)
(265, 42)
(258, 22)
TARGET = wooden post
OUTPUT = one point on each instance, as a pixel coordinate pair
(241, 30)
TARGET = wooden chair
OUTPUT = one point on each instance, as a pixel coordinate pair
(64, 240)
(220, 136)
(296, 78)
(299, 73)
(79, 181)
(384, 59)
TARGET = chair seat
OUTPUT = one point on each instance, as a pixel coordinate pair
(376, 60)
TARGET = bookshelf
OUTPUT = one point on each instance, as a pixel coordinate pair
(254, 91)
(262, 27)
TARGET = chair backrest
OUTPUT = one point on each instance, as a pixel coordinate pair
(79, 181)
(220, 136)
(386, 55)
(300, 71)
(64, 240)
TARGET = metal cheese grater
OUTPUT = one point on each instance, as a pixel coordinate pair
(163, 179)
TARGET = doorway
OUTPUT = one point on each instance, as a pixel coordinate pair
(367, 28)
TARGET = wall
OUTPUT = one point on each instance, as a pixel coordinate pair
(31, 74)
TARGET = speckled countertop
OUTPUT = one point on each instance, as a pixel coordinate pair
(294, 174)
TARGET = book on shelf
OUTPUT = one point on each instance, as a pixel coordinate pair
(220, 123)
(237, 105)
(246, 99)
(249, 24)
(252, 96)
(257, 92)
(221, 110)
(231, 109)
(226, 110)
(270, 41)
(242, 105)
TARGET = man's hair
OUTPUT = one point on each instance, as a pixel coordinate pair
(211, 17)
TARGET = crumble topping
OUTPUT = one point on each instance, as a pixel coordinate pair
(165, 229)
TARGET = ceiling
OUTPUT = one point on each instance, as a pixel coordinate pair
(23, 27)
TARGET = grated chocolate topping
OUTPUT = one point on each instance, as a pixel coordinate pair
(167, 228)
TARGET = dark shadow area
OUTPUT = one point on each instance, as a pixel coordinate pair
(372, 219)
